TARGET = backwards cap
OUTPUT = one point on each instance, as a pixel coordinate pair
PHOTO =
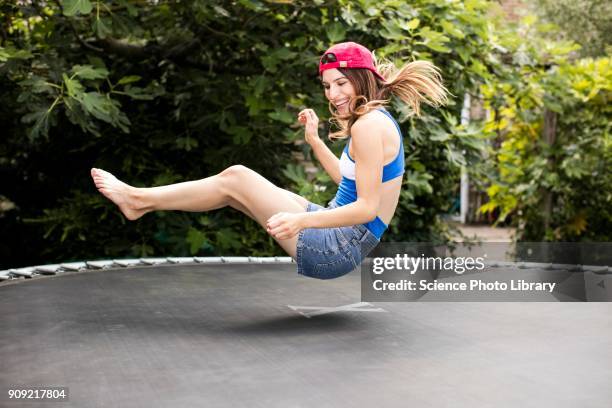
(348, 55)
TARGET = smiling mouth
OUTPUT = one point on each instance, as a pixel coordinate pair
(341, 104)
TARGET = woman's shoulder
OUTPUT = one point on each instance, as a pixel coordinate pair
(372, 121)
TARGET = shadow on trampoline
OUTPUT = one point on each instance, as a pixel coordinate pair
(298, 326)
(219, 326)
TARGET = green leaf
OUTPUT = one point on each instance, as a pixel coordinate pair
(439, 136)
(414, 23)
(228, 239)
(269, 63)
(186, 143)
(255, 5)
(196, 240)
(101, 29)
(434, 40)
(451, 29)
(74, 87)
(89, 72)
(392, 30)
(260, 85)
(104, 108)
(295, 173)
(335, 32)
(222, 11)
(529, 19)
(74, 7)
(253, 102)
(449, 117)
(97, 105)
(417, 166)
(128, 79)
(242, 134)
(132, 11)
(138, 93)
(41, 123)
(284, 54)
(77, 116)
(37, 84)
(282, 116)
(13, 53)
(274, 58)
(455, 157)
(438, 47)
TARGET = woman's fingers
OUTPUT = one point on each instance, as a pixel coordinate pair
(277, 232)
(274, 220)
(313, 115)
(277, 226)
(308, 113)
(303, 117)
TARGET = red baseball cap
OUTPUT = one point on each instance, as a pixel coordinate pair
(348, 55)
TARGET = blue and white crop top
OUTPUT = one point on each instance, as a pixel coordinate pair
(347, 189)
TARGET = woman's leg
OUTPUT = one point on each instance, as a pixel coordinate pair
(236, 186)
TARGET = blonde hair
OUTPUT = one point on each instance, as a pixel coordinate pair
(414, 83)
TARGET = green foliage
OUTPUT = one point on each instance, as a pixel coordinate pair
(73, 7)
(551, 116)
(173, 91)
(586, 22)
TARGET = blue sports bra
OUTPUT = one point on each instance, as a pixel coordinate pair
(347, 189)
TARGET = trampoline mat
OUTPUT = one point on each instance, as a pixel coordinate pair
(257, 335)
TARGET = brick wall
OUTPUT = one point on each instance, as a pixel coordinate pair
(514, 9)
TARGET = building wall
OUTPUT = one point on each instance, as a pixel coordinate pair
(514, 9)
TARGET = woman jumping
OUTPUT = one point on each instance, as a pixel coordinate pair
(325, 242)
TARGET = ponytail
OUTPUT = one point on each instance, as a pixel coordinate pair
(414, 83)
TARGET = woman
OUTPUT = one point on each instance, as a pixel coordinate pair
(325, 242)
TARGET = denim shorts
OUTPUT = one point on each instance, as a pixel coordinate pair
(328, 253)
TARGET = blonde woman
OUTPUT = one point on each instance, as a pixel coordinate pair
(325, 242)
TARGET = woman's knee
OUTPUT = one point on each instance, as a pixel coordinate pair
(235, 177)
(235, 172)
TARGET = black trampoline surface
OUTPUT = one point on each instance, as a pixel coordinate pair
(233, 336)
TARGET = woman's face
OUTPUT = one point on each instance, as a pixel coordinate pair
(338, 89)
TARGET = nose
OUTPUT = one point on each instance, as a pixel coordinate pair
(333, 92)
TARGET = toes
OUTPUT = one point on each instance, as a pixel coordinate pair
(100, 173)
(104, 191)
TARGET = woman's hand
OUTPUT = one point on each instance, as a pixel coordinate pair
(309, 118)
(284, 225)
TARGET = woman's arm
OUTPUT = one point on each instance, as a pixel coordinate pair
(328, 160)
(368, 150)
(369, 156)
(326, 157)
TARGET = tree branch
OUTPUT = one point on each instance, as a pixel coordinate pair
(76, 33)
(178, 54)
(123, 49)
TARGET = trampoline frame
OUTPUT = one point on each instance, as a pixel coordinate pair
(25, 273)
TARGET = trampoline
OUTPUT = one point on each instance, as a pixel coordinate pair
(255, 334)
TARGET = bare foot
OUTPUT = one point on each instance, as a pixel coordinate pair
(118, 192)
